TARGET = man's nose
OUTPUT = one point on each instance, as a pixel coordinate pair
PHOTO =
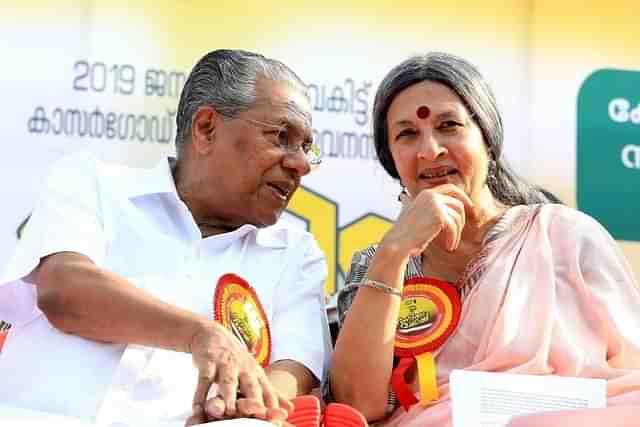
(297, 161)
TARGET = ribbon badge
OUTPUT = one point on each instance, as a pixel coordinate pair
(4, 332)
(236, 306)
(429, 313)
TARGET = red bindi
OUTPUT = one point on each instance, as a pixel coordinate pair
(423, 112)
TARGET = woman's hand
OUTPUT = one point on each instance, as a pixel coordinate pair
(439, 213)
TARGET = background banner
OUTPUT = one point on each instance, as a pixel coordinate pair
(105, 76)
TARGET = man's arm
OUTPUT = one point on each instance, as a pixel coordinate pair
(82, 299)
(291, 378)
(300, 329)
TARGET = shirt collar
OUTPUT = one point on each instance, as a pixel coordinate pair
(275, 237)
(159, 180)
(272, 237)
(156, 180)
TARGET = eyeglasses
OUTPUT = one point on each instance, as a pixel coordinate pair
(281, 137)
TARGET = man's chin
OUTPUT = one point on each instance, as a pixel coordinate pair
(269, 219)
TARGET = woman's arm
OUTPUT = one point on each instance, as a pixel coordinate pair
(363, 357)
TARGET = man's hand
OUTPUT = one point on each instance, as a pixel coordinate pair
(136, 317)
(245, 408)
(225, 368)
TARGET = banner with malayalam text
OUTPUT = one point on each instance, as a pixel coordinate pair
(105, 76)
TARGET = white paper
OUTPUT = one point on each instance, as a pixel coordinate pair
(489, 399)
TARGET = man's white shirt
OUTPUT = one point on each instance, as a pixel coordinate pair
(132, 223)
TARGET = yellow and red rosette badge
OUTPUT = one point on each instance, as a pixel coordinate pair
(429, 313)
(4, 332)
(237, 307)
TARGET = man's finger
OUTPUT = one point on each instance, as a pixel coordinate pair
(277, 415)
(271, 398)
(227, 380)
(214, 408)
(250, 408)
(251, 388)
(198, 416)
(285, 404)
(202, 388)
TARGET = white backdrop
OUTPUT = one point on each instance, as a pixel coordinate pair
(120, 65)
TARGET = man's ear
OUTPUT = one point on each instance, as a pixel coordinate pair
(203, 129)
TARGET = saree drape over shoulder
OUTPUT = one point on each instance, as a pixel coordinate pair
(550, 293)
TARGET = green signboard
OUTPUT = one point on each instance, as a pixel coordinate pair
(608, 151)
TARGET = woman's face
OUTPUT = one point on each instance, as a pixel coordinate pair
(434, 141)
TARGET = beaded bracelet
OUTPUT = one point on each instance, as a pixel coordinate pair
(368, 283)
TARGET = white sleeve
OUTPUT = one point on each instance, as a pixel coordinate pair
(300, 329)
(66, 217)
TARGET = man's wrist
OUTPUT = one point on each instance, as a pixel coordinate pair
(196, 328)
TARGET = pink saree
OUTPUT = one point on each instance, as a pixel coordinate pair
(552, 294)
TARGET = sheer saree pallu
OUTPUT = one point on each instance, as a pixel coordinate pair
(551, 294)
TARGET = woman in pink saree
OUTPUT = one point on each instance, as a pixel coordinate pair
(544, 289)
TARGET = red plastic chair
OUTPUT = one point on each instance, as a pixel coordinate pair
(307, 413)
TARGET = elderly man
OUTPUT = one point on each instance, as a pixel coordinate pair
(141, 295)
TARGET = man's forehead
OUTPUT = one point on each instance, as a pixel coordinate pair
(294, 112)
(284, 101)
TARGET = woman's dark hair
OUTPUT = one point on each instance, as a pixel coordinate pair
(466, 81)
(552, 198)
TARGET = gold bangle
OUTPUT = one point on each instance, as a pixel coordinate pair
(368, 283)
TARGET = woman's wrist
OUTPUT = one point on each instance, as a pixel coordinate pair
(388, 265)
(391, 254)
(379, 286)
